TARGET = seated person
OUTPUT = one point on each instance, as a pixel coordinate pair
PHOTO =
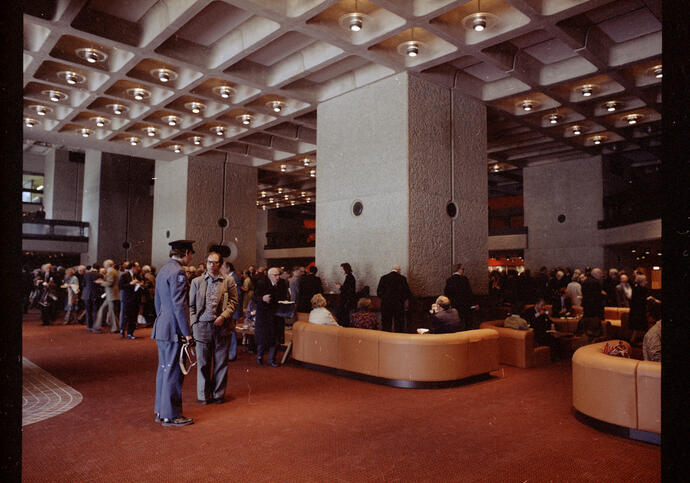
(651, 344)
(320, 314)
(364, 317)
(444, 318)
(538, 319)
(514, 321)
(562, 304)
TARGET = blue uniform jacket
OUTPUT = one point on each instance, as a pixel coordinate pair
(170, 299)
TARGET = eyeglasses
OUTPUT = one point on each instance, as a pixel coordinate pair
(212, 262)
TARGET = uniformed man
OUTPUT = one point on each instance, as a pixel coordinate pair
(170, 326)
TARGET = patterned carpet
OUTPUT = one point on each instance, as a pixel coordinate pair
(44, 396)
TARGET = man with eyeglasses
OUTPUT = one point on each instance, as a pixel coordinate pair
(212, 301)
(269, 291)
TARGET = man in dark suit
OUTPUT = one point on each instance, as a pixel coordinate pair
(562, 305)
(90, 295)
(394, 293)
(130, 297)
(459, 292)
(170, 326)
(268, 292)
(444, 318)
(309, 285)
(539, 321)
(593, 300)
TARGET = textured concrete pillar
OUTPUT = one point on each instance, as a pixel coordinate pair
(192, 195)
(63, 181)
(91, 205)
(125, 208)
(397, 146)
(573, 189)
(48, 183)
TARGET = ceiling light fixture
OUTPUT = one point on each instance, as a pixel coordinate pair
(196, 140)
(286, 197)
(118, 109)
(91, 55)
(55, 96)
(312, 173)
(133, 140)
(308, 199)
(353, 21)
(270, 200)
(195, 106)
(85, 132)
(657, 71)
(527, 105)
(633, 119)
(245, 119)
(30, 122)
(177, 148)
(224, 91)
(164, 75)
(171, 120)
(139, 93)
(263, 207)
(263, 194)
(292, 202)
(150, 131)
(100, 121)
(283, 168)
(611, 106)
(277, 106)
(577, 130)
(218, 130)
(555, 118)
(479, 21)
(71, 77)
(587, 90)
(495, 168)
(280, 190)
(40, 109)
(306, 161)
(597, 140)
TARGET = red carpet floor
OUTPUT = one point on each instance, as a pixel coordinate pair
(296, 424)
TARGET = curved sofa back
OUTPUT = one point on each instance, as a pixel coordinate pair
(409, 357)
(618, 390)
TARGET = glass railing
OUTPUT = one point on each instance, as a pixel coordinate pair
(67, 230)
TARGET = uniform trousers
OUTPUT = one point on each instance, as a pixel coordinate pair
(212, 366)
(169, 378)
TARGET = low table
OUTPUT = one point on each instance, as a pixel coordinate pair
(566, 324)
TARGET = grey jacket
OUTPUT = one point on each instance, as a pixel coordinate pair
(227, 302)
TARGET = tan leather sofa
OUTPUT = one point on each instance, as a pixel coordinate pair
(516, 347)
(397, 357)
(617, 390)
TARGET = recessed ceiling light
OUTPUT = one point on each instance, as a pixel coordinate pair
(276, 106)
(263, 207)
(263, 194)
(195, 106)
(150, 131)
(306, 161)
(139, 93)
(554, 118)
(85, 132)
(55, 96)
(218, 130)
(133, 140)
(308, 199)
(171, 120)
(100, 121)
(91, 55)
(598, 139)
(196, 140)
(164, 75)
(577, 130)
(177, 148)
(245, 119)
(283, 168)
(270, 200)
(224, 91)
(40, 109)
(71, 77)
(30, 122)
(118, 109)
(353, 21)
(292, 202)
(611, 106)
(280, 190)
(286, 197)
(479, 21)
(657, 71)
(587, 90)
(312, 173)
(632, 119)
(527, 105)
(410, 48)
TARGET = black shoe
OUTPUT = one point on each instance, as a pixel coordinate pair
(204, 401)
(218, 401)
(178, 421)
(233, 359)
(131, 337)
(157, 419)
(259, 361)
(122, 335)
(275, 364)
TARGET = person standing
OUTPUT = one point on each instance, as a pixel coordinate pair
(395, 295)
(459, 292)
(348, 295)
(638, 308)
(130, 297)
(212, 304)
(229, 271)
(170, 326)
(111, 306)
(90, 294)
(309, 285)
(593, 301)
(71, 284)
(269, 290)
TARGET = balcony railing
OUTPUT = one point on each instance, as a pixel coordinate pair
(295, 239)
(58, 230)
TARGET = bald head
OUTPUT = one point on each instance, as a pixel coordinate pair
(396, 268)
(597, 273)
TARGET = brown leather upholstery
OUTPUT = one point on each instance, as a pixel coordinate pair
(409, 357)
(618, 390)
(516, 347)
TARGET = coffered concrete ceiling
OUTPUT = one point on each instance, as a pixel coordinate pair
(183, 73)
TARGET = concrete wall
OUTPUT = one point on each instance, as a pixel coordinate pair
(48, 183)
(126, 208)
(169, 208)
(261, 229)
(362, 139)
(571, 188)
(91, 203)
(209, 200)
(67, 184)
(33, 163)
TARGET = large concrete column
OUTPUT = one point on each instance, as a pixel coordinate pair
(63, 181)
(48, 183)
(192, 194)
(573, 189)
(91, 204)
(399, 146)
